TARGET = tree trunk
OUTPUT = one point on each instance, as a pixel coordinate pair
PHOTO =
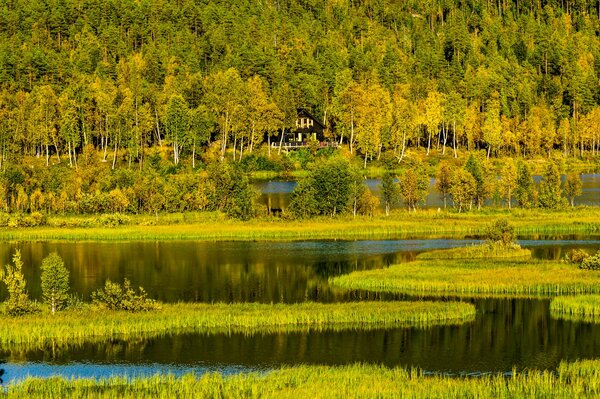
(454, 140)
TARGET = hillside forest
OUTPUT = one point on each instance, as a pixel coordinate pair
(167, 87)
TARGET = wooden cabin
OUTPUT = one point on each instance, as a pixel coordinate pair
(308, 128)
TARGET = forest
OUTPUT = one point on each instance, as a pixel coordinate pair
(155, 88)
(510, 77)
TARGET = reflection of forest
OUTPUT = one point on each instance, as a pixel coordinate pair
(206, 271)
(233, 271)
(506, 333)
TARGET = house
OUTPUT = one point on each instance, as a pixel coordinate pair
(308, 129)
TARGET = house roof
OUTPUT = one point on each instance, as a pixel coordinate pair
(303, 111)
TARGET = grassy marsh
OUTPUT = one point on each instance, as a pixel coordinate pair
(577, 308)
(467, 278)
(477, 252)
(90, 323)
(212, 226)
(572, 380)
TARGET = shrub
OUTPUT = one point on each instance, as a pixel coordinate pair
(113, 220)
(576, 256)
(501, 232)
(591, 262)
(122, 297)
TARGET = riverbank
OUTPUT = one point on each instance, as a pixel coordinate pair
(580, 379)
(400, 224)
(89, 323)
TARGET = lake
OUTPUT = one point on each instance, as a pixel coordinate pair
(506, 332)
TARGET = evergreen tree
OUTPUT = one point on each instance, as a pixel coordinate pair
(443, 179)
(482, 187)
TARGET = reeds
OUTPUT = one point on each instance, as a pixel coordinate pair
(90, 323)
(576, 380)
(577, 308)
(473, 278)
(485, 251)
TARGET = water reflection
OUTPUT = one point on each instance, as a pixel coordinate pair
(265, 272)
(506, 333)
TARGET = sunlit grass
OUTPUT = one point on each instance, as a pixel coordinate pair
(580, 379)
(485, 251)
(484, 277)
(211, 226)
(90, 323)
(577, 308)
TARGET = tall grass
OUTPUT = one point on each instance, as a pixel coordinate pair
(577, 308)
(576, 380)
(486, 251)
(523, 278)
(90, 323)
(210, 226)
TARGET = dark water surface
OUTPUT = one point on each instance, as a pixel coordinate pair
(507, 333)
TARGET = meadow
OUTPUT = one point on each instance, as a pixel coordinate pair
(89, 323)
(216, 226)
(580, 379)
(468, 278)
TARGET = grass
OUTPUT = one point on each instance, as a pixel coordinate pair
(90, 323)
(212, 226)
(580, 379)
(475, 278)
(577, 308)
(488, 250)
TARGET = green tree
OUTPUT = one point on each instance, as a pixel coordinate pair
(573, 187)
(524, 191)
(18, 302)
(463, 189)
(508, 181)
(443, 180)
(390, 192)
(55, 282)
(482, 187)
(550, 188)
(177, 124)
(414, 185)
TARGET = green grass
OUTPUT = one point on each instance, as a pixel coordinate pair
(485, 251)
(580, 379)
(475, 278)
(91, 324)
(577, 308)
(212, 226)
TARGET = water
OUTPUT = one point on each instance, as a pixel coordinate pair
(276, 193)
(507, 333)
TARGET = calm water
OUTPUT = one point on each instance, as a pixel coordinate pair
(276, 193)
(506, 333)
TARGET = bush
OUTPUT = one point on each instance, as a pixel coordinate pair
(113, 220)
(501, 232)
(591, 262)
(122, 297)
(577, 256)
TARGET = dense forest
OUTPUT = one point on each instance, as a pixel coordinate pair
(110, 105)
(511, 77)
